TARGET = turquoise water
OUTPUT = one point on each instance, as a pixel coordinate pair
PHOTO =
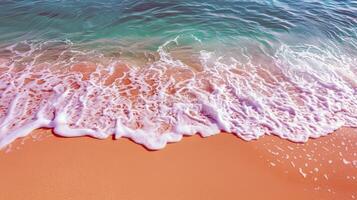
(226, 21)
(154, 71)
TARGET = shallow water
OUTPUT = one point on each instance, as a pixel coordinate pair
(157, 70)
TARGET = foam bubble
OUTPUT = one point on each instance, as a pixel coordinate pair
(296, 93)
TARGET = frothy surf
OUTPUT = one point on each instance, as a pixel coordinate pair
(154, 71)
(157, 97)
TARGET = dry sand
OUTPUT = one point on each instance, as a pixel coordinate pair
(44, 166)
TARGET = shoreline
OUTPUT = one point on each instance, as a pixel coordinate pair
(220, 166)
(178, 100)
(178, 93)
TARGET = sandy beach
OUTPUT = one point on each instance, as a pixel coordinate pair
(178, 100)
(44, 166)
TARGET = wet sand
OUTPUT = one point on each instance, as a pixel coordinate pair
(44, 166)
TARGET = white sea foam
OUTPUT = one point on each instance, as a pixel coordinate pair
(298, 92)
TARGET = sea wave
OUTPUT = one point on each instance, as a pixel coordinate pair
(294, 91)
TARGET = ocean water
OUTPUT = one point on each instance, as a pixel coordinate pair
(154, 71)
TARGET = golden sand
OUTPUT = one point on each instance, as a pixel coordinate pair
(44, 166)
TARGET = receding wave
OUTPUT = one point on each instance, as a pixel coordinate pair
(154, 71)
(156, 97)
